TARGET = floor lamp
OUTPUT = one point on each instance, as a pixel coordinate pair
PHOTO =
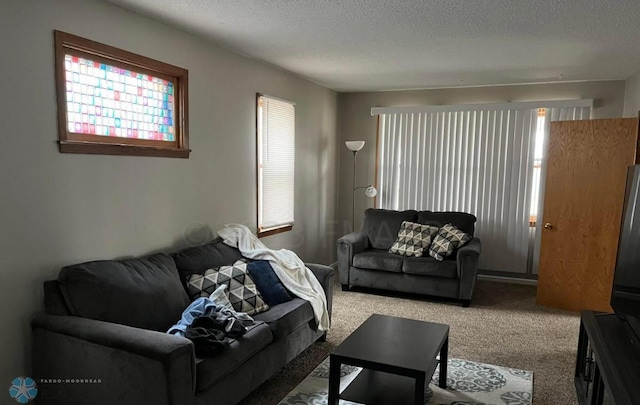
(370, 191)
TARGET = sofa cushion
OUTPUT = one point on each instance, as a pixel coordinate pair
(210, 370)
(446, 241)
(241, 289)
(413, 239)
(376, 259)
(382, 226)
(463, 221)
(144, 292)
(428, 266)
(54, 303)
(197, 259)
(272, 290)
(287, 317)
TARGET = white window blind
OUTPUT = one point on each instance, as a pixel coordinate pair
(276, 162)
(477, 159)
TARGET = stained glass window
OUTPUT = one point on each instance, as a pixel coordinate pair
(115, 102)
(110, 101)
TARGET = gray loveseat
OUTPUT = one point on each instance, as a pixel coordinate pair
(102, 338)
(364, 259)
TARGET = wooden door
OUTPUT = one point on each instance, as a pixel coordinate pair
(584, 193)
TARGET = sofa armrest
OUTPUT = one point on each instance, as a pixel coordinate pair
(348, 246)
(326, 276)
(125, 365)
(467, 261)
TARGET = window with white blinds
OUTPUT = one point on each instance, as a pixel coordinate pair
(480, 159)
(276, 164)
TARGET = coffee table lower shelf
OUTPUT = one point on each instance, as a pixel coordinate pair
(373, 387)
(398, 357)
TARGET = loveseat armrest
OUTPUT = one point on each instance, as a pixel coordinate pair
(326, 276)
(358, 241)
(119, 364)
(348, 246)
(467, 261)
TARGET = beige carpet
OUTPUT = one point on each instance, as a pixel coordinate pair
(503, 326)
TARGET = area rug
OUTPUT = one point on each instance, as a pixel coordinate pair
(468, 383)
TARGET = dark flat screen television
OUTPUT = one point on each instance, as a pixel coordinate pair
(625, 294)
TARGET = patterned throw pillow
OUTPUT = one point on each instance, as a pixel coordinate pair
(446, 241)
(413, 239)
(219, 296)
(241, 289)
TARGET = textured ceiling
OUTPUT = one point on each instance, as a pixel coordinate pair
(361, 45)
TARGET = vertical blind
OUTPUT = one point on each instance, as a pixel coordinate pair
(477, 159)
(276, 162)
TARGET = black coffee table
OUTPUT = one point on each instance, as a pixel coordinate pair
(398, 357)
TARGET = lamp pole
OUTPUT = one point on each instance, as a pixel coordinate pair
(353, 193)
(355, 146)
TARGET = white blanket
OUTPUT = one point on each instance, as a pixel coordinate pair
(286, 264)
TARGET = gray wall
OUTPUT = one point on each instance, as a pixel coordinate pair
(632, 96)
(58, 209)
(356, 122)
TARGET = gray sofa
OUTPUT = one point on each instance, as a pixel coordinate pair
(364, 259)
(102, 337)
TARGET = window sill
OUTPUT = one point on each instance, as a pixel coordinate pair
(121, 149)
(273, 231)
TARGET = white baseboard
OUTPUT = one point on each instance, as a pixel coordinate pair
(512, 280)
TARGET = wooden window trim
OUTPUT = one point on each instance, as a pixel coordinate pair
(274, 231)
(71, 142)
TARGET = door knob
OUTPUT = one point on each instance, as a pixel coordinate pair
(548, 226)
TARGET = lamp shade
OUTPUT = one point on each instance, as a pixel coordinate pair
(354, 146)
(370, 192)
